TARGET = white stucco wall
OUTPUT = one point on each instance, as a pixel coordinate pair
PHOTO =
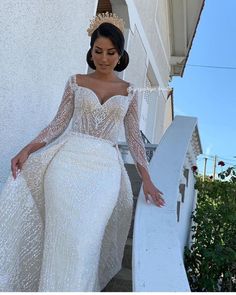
(162, 25)
(147, 11)
(168, 113)
(152, 118)
(144, 16)
(137, 67)
(42, 43)
(136, 70)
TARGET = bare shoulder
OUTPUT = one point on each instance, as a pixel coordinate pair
(124, 86)
(80, 78)
(124, 83)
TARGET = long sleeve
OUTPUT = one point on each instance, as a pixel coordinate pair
(62, 118)
(132, 133)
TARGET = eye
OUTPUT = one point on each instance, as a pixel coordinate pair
(100, 52)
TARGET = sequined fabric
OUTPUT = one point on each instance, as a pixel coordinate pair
(89, 116)
(81, 187)
(30, 225)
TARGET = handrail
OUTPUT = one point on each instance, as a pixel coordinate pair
(145, 139)
(157, 262)
(149, 147)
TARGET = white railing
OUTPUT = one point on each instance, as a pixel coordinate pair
(160, 234)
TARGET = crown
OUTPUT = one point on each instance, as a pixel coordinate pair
(105, 18)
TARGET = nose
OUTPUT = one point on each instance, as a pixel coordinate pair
(104, 56)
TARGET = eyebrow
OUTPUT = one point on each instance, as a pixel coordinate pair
(107, 49)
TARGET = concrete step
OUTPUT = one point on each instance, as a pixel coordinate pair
(122, 282)
(127, 258)
(130, 235)
(134, 177)
(131, 230)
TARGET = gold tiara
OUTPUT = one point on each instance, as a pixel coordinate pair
(105, 18)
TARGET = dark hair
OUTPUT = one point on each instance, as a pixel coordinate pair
(110, 31)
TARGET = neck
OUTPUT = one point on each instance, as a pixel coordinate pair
(106, 77)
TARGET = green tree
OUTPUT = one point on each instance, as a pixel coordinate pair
(211, 260)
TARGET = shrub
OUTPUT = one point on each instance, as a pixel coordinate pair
(211, 260)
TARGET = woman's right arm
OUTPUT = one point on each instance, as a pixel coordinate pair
(18, 161)
(51, 132)
(60, 121)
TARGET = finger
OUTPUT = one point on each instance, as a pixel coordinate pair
(13, 168)
(159, 201)
(147, 199)
(14, 171)
(159, 195)
(162, 200)
(20, 165)
(159, 204)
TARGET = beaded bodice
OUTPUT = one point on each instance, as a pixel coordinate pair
(82, 106)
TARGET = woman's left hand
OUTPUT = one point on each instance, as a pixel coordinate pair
(149, 189)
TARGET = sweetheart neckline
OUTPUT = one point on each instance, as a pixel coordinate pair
(98, 100)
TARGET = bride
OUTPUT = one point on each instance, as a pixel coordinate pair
(65, 211)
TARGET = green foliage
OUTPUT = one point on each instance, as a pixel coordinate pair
(211, 261)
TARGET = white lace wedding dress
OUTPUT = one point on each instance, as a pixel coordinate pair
(65, 219)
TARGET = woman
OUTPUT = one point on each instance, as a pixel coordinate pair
(65, 217)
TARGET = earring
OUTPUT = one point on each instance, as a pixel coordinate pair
(118, 62)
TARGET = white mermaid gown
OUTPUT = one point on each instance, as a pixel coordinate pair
(64, 221)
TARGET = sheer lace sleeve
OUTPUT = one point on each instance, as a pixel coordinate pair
(132, 133)
(62, 118)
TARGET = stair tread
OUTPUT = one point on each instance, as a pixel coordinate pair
(124, 274)
(129, 242)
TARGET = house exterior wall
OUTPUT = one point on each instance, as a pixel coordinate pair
(41, 43)
(168, 113)
(151, 21)
(162, 24)
(136, 73)
(147, 11)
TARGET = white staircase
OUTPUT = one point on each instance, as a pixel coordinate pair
(160, 234)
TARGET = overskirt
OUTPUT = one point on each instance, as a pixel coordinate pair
(25, 245)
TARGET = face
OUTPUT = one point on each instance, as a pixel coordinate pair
(104, 54)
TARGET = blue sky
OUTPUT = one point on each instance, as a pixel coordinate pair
(209, 93)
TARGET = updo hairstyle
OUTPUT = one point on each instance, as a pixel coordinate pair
(113, 33)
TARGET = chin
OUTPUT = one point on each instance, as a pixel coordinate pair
(105, 70)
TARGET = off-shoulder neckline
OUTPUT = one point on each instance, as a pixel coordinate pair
(129, 91)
